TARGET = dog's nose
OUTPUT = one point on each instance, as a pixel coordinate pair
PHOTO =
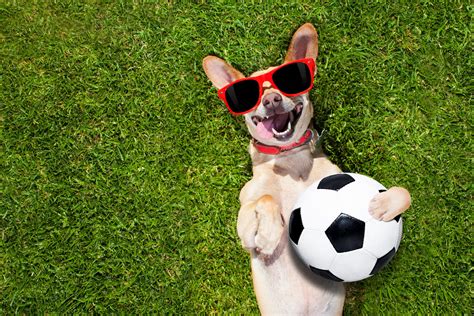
(272, 100)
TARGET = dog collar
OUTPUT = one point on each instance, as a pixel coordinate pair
(275, 150)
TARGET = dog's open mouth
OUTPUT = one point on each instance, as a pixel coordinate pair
(279, 126)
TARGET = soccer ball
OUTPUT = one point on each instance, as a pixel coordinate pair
(333, 233)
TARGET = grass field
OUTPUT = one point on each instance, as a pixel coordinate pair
(121, 169)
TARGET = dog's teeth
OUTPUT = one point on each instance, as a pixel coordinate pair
(278, 133)
(282, 133)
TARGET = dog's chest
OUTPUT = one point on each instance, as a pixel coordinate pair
(290, 190)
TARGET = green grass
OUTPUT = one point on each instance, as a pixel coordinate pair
(121, 169)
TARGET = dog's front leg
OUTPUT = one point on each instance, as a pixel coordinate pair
(260, 225)
(389, 204)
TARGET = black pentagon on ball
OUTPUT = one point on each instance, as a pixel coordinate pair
(346, 233)
(335, 182)
(326, 274)
(295, 226)
(382, 261)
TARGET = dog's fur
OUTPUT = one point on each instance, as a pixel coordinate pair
(282, 284)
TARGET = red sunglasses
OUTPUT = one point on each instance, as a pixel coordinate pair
(291, 79)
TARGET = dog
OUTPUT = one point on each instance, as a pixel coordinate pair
(278, 113)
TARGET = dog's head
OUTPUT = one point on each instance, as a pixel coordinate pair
(278, 120)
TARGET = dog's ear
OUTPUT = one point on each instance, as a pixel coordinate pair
(304, 44)
(219, 72)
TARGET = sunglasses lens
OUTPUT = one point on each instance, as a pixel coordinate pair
(243, 95)
(293, 78)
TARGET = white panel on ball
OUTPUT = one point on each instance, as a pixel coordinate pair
(369, 181)
(400, 232)
(353, 266)
(355, 200)
(319, 208)
(380, 237)
(315, 249)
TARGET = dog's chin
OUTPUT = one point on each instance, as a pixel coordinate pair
(278, 129)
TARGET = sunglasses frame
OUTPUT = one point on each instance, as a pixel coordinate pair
(269, 77)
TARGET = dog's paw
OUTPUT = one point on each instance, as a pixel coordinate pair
(247, 225)
(389, 204)
(270, 225)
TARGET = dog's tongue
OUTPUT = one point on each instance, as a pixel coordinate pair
(278, 122)
(264, 129)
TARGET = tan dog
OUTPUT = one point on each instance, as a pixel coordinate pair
(282, 284)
